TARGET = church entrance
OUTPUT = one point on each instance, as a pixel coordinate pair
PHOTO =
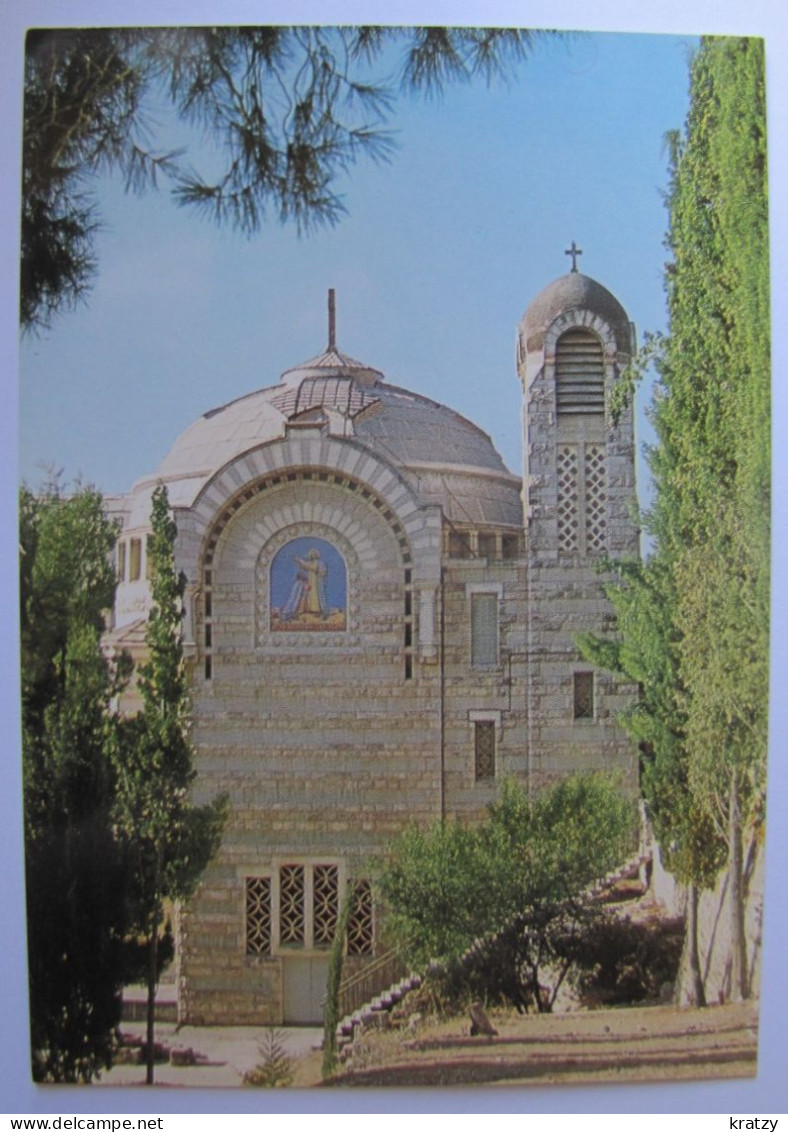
(304, 987)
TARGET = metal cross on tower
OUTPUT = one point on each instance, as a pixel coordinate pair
(574, 252)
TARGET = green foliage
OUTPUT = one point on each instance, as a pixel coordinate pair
(524, 870)
(626, 962)
(333, 982)
(291, 109)
(75, 871)
(170, 840)
(528, 960)
(694, 620)
(275, 1067)
(434, 889)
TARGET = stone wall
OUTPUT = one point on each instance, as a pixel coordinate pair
(579, 496)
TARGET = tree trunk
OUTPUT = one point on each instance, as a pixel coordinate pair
(691, 992)
(739, 988)
(153, 962)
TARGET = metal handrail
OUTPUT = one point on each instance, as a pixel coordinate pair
(369, 981)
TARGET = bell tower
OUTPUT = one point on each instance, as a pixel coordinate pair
(579, 508)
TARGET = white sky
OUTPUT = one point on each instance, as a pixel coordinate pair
(440, 255)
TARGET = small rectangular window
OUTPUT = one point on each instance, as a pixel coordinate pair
(208, 604)
(487, 546)
(459, 544)
(584, 695)
(484, 744)
(510, 547)
(121, 567)
(484, 630)
(135, 559)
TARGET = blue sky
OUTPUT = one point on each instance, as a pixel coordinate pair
(438, 257)
(435, 265)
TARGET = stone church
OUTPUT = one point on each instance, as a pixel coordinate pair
(380, 628)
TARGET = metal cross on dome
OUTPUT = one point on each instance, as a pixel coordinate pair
(332, 320)
(574, 252)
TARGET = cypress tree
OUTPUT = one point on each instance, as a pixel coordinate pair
(170, 839)
(693, 620)
(77, 918)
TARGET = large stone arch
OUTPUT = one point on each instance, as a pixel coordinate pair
(323, 461)
(417, 528)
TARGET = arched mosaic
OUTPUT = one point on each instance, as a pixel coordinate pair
(339, 557)
(308, 587)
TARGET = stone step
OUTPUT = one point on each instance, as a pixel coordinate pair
(135, 1004)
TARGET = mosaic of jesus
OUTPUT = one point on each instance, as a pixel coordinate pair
(308, 587)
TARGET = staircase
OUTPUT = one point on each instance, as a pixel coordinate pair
(364, 1002)
(366, 997)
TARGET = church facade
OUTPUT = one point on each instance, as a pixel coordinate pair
(379, 629)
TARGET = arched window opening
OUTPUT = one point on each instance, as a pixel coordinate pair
(579, 373)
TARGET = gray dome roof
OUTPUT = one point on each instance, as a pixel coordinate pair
(445, 457)
(573, 291)
(332, 364)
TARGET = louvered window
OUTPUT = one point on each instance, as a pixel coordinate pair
(580, 373)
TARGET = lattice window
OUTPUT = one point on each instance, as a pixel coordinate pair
(258, 916)
(291, 905)
(584, 695)
(325, 904)
(596, 496)
(361, 927)
(568, 518)
(484, 744)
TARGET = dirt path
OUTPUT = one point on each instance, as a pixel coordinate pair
(649, 1043)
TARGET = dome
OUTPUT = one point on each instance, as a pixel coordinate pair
(446, 459)
(573, 291)
(332, 364)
